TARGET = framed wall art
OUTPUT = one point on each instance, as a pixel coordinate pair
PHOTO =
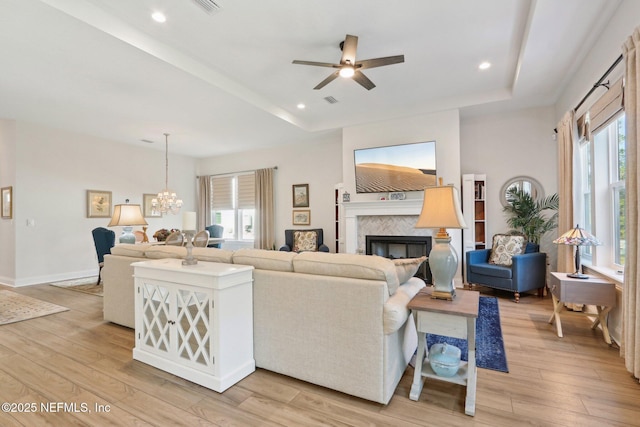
(301, 195)
(98, 204)
(147, 207)
(7, 202)
(302, 217)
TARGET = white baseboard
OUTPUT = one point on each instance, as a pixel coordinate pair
(38, 280)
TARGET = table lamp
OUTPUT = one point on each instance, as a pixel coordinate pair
(577, 237)
(441, 210)
(127, 216)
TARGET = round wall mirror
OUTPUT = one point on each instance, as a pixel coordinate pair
(525, 183)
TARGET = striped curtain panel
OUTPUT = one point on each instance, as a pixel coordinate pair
(265, 212)
(630, 346)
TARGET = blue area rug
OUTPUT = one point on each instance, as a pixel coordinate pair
(490, 352)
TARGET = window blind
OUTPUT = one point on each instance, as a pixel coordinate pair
(222, 189)
(247, 191)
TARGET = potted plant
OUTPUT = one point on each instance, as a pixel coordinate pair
(530, 216)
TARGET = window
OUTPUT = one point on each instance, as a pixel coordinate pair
(233, 205)
(603, 193)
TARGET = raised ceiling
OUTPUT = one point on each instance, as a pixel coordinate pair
(224, 82)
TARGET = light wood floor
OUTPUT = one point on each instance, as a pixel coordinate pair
(76, 358)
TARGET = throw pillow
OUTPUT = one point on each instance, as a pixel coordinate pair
(505, 247)
(406, 267)
(305, 241)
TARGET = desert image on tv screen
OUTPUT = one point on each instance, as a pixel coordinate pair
(407, 167)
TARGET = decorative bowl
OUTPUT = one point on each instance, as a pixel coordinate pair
(444, 359)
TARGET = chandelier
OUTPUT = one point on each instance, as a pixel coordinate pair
(167, 200)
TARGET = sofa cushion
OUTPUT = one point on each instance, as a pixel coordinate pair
(131, 250)
(166, 251)
(406, 268)
(395, 311)
(504, 247)
(213, 255)
(491, 270)
(371, 267)
(306, 240)
(264, 259)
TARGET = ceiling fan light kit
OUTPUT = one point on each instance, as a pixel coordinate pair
(349, 67)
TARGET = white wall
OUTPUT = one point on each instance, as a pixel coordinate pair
(7, 179)
(507, 145)
(54, 170)
(317, 163)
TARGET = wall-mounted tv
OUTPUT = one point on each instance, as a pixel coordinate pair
(406, 167)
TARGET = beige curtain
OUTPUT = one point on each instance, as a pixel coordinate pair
(566, 140)
(204, 202)
(265, 214)
(630, 346)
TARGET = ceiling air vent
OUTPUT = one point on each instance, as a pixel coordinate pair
(209, 6)
(330, 99)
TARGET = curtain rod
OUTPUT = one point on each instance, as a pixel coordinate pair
(598, 83)
(229, 173)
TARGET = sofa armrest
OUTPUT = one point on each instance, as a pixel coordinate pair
(529, 271)
(478, 256)
(395, 311)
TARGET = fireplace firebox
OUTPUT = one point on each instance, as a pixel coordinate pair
(394, 247)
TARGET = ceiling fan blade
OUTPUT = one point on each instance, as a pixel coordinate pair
(363, 80)
(328, 80)
(379, 62)
(349, 50)
(317, 64)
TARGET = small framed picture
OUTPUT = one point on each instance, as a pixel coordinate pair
(301, 195)
(98, 204)
(302, 217)
(7, 202)
(147, 206)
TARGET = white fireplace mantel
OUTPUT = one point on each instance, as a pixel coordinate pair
(352, 210)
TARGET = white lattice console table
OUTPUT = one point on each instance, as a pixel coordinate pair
(195, 321)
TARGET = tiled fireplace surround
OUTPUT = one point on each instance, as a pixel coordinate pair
(380, 217)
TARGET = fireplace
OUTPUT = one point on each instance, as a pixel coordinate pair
(395, 247)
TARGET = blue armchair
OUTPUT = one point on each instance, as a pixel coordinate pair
(528, 271)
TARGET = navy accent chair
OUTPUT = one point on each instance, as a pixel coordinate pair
(528, 271)
(288, 240)
(103, 239)
(215, 231)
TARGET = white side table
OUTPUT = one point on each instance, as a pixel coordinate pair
(455, 319)
(591, 291)
(195, 321)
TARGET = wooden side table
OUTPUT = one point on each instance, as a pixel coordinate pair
(591, 291)
(455, 319)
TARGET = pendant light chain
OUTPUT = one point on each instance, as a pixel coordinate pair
(167, 200)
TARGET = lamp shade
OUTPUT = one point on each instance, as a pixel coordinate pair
(441, 208)
(127, 215)
(577, 237)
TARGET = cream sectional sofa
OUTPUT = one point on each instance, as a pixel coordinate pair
(336, 320)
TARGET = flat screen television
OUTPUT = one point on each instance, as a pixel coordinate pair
(396, 168)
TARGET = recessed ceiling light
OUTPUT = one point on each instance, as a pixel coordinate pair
(484, 65)
(159, 17)
(301, 106)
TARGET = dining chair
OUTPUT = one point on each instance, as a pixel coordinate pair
(103, 239)
(175, 239)
(201, 239)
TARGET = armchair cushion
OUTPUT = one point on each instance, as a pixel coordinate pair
(505, 247)
(305, 240)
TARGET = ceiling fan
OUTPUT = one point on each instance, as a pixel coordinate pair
(349, 67)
